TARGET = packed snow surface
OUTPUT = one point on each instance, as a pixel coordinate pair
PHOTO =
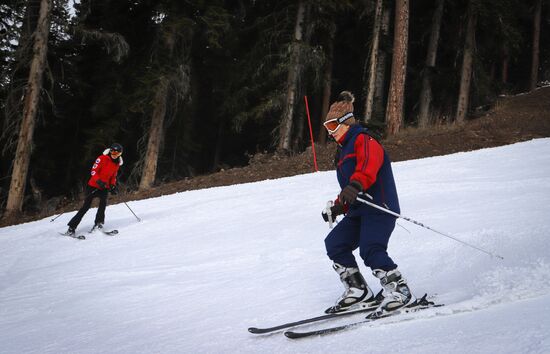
(205, 265)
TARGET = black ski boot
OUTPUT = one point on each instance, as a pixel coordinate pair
(357, 295)
(396, 291)
(71, 232)
(97, 226)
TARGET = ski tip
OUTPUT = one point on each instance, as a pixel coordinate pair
(296, 335)
(256, 330)
(291, 335)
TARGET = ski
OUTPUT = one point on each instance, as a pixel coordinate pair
(257, 330)
(78, 237)
(418, 305)
(108, 233)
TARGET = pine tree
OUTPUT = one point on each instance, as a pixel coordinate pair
(467, 63)
(395, 110)
(30, 107)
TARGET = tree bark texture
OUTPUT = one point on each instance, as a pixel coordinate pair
(373, 61)
(426, 91)
(536, 46)
(394, 111)
(155, 135)
(300, 116)
(327, 83)
(30, 107)
(505, 65)
(467, 65)
(380, 91)
(285, 129)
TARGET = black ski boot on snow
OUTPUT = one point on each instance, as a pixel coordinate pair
(357, 295)
(72, 233)
(97, 226)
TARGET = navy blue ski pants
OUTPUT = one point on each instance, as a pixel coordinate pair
(370, 233)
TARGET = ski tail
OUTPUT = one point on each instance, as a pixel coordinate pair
(416, 306)
(105, 232)
(78, 237)
(256, 330)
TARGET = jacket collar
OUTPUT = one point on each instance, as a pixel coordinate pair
(352, 132)
(117, 160)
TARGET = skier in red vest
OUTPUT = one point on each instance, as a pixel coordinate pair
(363, 167)
(102, 181)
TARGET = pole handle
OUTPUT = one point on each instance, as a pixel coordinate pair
(328, 211)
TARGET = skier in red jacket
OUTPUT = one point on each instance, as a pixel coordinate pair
(102, 181)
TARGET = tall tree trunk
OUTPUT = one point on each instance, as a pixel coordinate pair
(380, 90)
(172, 85)
(301, 130)
(285, 130)
(219, 147)
(155, 135)
(467, 65)
(536, 46)
(373, 61)
(394, 111)
(505, 65)
(327, 82)
(30, 107)
(426, 93)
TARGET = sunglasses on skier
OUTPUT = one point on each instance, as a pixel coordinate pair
(116, 153)
(332, 125)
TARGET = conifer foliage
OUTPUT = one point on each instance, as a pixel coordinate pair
(190, 87)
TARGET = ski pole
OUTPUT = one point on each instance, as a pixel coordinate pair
(56, 217)
(132, 211)
(425, 226)
(95, 190)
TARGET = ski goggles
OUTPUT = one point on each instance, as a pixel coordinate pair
(116, 153)
(332, 125)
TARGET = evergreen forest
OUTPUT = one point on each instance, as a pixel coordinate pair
(191, 87)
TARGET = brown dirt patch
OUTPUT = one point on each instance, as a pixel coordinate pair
(512, 119)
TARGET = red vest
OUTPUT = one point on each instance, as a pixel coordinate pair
(104, 169)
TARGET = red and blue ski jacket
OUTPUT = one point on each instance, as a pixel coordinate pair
(364, 160)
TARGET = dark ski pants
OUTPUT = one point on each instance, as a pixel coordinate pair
(370, 233)
(91, 193)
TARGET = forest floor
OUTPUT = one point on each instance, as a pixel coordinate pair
(512, 119)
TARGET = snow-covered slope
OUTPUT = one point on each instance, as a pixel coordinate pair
(205, 265)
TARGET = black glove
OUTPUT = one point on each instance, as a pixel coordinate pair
(114, 190)
(335, 210)
(350, 192)
(101, 184)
